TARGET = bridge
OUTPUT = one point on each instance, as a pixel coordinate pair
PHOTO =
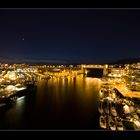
(101, 67)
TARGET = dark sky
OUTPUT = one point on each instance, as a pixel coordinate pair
(84, 35)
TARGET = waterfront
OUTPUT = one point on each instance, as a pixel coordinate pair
(58, 103)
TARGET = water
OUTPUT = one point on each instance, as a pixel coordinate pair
(70, 103)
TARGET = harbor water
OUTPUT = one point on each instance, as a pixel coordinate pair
(57, 103)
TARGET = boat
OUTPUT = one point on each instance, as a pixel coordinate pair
(120, 101)
(12, 92)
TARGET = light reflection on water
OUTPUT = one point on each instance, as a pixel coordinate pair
(59, 103)
(14, 115)
(20, 102)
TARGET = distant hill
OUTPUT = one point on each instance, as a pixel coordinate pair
(38, 61)
(126, 61)
(55, 61)
(32, 60)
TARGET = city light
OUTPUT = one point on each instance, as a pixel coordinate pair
(111, 82)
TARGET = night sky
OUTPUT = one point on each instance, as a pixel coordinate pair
(82, 35)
